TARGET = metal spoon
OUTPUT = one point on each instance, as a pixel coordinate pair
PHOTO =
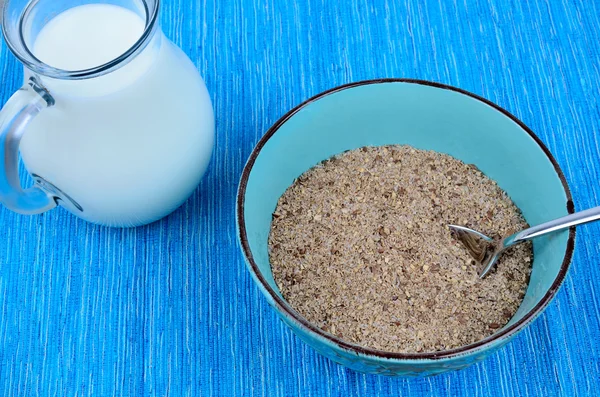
(486, 250)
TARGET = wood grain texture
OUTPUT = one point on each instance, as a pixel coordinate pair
(170, 310)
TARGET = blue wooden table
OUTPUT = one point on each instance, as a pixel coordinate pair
(170, 310)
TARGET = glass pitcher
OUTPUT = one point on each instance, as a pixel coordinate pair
(114, 122)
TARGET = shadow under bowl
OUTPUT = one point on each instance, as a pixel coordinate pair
(427, 116)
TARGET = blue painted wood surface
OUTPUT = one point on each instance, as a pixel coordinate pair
(170, 310)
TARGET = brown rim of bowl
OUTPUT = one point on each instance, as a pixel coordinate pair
(286, 309)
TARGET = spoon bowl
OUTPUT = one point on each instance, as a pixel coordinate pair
(486, 250)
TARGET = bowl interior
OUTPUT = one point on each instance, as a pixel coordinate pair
(426, 117)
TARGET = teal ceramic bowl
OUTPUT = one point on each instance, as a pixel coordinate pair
(427, 116)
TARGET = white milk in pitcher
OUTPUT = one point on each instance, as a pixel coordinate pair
(128, 147)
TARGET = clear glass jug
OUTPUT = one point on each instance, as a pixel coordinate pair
(122, 135)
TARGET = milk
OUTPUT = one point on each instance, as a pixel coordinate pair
(87, 36)
(127, 147)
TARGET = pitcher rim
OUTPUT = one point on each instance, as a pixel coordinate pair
(30, 61)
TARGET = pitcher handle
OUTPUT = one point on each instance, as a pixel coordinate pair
(20, 109)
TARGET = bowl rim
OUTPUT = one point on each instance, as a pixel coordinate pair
(285, 309)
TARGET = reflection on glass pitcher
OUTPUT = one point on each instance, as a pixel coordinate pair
(114, 122)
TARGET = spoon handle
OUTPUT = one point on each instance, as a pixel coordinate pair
(578, 218)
